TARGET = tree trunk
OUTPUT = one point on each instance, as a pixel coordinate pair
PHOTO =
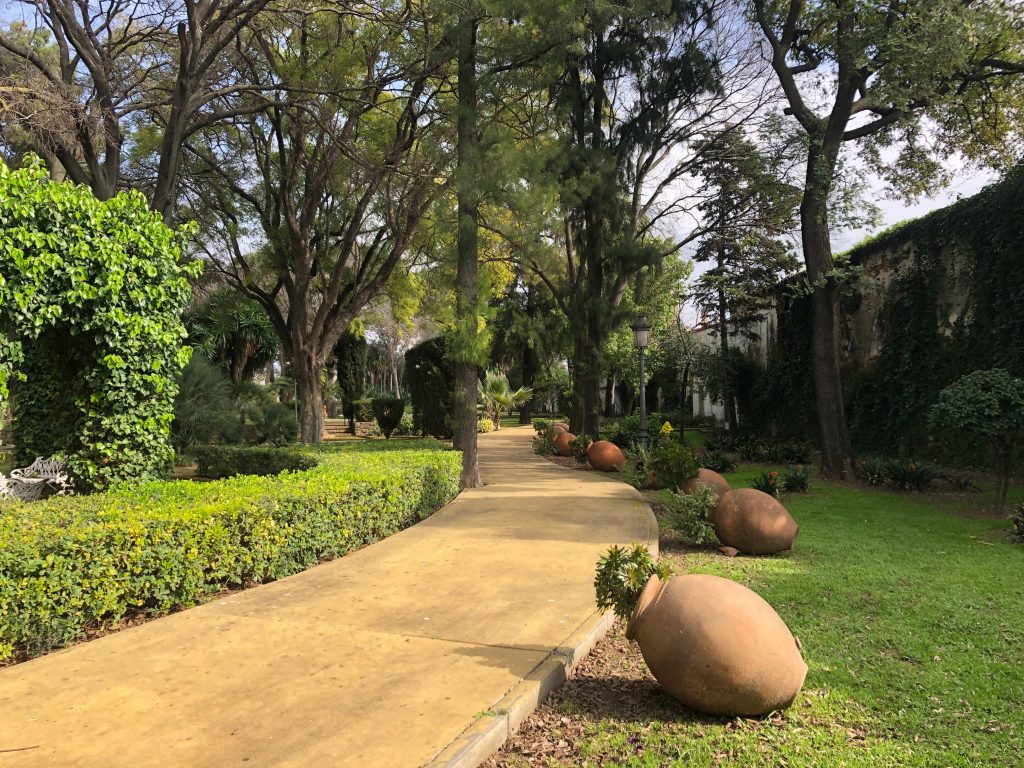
(306, 370)
(836, 448)
(529, 376)
(609, 393)
(728, 397)
(467, 282)
(592, 394)
(683, 405)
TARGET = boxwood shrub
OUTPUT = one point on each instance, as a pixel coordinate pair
(71, 565)
(219, 461)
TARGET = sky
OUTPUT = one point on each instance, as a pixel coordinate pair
(966, 182)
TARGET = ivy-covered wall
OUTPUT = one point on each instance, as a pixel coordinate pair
(939, 297)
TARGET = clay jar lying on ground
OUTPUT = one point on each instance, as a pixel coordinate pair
(562, 440)
(712, 480)
(716, 646)
(605, 456)
(560, 426)
(754, 522)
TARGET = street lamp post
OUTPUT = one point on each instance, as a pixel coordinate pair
(641, 334)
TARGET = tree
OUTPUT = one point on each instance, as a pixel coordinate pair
(95, 82)
(350, 357)
(747, 211)
(233, 332)
(497, 397)
(335, 169)
(467, 279)
(656, 293)
(529, 335)
(925, 76)
(639, 85)
(991, 405)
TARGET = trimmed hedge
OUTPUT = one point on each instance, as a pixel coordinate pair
(69, 565)
(388, 411)
(219, 461)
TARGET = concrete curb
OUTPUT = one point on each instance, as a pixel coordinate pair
(493, 728)
(486, 736)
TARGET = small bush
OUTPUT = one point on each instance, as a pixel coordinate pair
(719, 440)
(718, 461)
(789, 452)
(218, 461)
(767, 482)
(689, 514)
(204, 410)
(621, 576)
(484, 424)
(277, 424)
(751, 449)
(405, 427)
(1017, 524)
(796, 480)
(363, 410)
(388, 412)
(672, 464)
(910, 475)
(871, 470)
(579, 448)
(544, 442)
(71, 564)
(961, 483)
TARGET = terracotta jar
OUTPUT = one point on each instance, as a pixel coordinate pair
(605, 456)
(560, 426)
(754, 522)
(712, 480)
(716, 646)
(562, 440)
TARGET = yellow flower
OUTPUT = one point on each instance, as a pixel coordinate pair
(666, 428)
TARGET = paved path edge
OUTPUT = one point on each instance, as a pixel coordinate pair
(493, 728)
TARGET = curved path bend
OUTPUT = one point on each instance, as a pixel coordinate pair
(422, 649)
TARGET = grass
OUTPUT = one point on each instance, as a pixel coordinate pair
(911, 623)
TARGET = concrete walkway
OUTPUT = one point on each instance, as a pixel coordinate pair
(422, 649)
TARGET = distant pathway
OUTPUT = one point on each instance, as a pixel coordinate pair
(422, 648)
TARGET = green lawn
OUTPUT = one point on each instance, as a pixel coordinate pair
(912, 628)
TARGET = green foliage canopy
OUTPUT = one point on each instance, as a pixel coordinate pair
(112, 276)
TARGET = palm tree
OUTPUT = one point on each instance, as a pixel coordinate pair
(497, 397)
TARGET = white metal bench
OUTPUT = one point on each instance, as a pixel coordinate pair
(42, 476)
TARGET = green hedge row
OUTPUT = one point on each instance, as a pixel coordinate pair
(219, 461)
(73, 564)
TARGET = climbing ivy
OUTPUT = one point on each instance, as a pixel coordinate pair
(971, 252)
(91, 297)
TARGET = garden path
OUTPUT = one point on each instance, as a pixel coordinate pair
(421, 649)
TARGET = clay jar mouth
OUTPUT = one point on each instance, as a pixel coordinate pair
(648, 596)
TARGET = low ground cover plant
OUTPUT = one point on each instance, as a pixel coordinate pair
(796, 479)
(621, 575)
(579, 447)
(71, 565)
(544, 441)
(672, 464)
(767, 482)
(689, 514)
(718, 460)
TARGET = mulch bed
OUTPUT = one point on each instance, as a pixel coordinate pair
(612, 682)
(569, 463)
